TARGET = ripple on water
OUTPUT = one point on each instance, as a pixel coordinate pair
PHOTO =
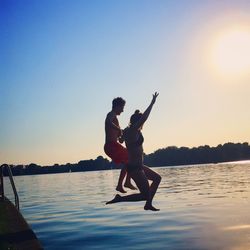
(202, 207)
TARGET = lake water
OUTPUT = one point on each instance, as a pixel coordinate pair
(202, 207)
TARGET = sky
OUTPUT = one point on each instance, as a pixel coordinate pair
(62, 62)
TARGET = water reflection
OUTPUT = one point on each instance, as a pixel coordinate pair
(237, 227)
(202, 207)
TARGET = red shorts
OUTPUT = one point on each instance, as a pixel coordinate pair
(116, 152)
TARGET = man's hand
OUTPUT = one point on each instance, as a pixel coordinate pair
(119, 132)
(121, 137)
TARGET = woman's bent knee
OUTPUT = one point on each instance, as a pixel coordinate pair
(145, 196)
(158, 178)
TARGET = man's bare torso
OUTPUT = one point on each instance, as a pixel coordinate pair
(112, 134)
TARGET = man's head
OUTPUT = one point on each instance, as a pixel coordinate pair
(118, 105)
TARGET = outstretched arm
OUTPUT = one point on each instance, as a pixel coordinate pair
(146, 113)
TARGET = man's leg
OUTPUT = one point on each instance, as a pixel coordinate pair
(121, 155)
(120, 180)
(128, 183)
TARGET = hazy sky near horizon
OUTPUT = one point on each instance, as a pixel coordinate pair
(62, 62)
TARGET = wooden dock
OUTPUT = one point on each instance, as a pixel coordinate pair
(15, 233)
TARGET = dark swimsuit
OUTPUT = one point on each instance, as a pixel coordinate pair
(137, 143)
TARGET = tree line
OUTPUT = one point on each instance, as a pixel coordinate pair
(169, 156)
(172, 156)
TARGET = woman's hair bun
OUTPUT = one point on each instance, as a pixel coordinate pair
(135, 117)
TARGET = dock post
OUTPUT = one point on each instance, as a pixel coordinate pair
(1, 184)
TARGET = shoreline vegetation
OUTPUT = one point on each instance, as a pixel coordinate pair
(169, 156)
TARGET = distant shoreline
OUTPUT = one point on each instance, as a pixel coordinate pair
(166, 157)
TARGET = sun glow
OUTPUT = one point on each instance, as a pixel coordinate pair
(230, 53)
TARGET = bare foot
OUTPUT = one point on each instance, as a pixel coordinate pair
(116, 199)
(120, 189)
(150, 207)
(129, 185)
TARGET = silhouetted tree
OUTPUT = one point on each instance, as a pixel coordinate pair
(170, 156)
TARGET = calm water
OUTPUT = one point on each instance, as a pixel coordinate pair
(202, 207)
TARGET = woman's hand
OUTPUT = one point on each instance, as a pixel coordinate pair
(154, 97)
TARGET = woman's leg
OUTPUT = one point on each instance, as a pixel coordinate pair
(155, 178)
(120, 180)
(141, 181)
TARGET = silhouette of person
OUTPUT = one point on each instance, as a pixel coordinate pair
(112, 147)
(136, 169)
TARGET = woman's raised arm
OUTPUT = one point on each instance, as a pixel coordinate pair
(146, 113)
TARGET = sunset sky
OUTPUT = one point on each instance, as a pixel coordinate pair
(63, 61)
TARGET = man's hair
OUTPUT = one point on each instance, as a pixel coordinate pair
(118, 102)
